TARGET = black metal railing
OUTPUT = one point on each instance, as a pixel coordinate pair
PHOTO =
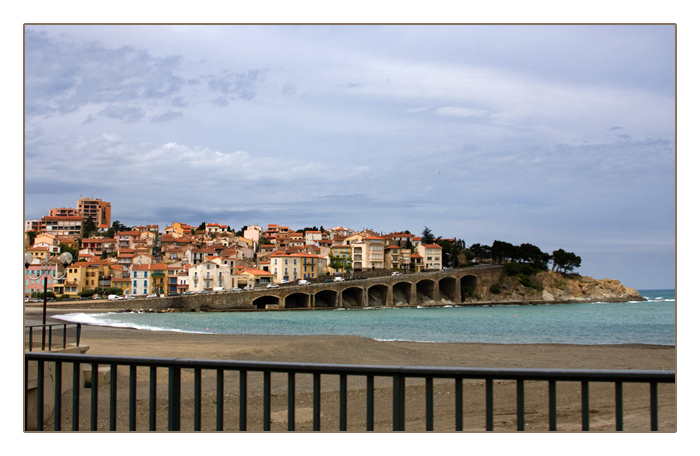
(55, 336)
(376, 396)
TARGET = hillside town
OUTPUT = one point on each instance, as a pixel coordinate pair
(109, 257)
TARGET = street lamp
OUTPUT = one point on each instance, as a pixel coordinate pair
(65, 258)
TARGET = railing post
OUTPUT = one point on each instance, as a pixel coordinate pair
(459, 404)
(343, 402)
(112, 397)
(654, 405)
(618, 406)
(152, 398)
(520, 399)
(370, 403)
(93, 396)
(291, 386)
(399, 402)
(489, 404)
(584, 406)
(429, 403)
(132, 397)
(174, 398)
(267, 393)
(219, 399)
(243, 400)
(317, 402)
(552, 405)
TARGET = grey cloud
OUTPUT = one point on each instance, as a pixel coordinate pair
(242, 85)
(125, 113)
(167, 116)
(64, 76)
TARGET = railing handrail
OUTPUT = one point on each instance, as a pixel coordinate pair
(64, 341)
(593, 375)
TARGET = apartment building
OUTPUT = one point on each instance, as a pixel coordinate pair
(100, 211)
(341, 257)
(64, 212)
(432, 255)
(290, 267)
(148, 278)
(253, 232)
(209, 274)
(62, 226)
(367, 252)
(397, 258)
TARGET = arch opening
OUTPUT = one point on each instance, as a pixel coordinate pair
(352, 297)
(263, 301)
(326, 298)
(402, 294)
(447, 288)
(377, 295)
(297, 301)
(425, 291)
(467, 285)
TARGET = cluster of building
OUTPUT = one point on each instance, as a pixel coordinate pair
(185, 259)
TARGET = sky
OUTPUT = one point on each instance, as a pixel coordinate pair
(561, 136)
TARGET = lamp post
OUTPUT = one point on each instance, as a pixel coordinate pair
(65, 258)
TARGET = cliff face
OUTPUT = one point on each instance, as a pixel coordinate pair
(556, 287)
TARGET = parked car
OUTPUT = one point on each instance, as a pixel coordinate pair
(236, 289)
(112, 297)
(203, 292)
(283, 281)
(187, 293)
(152, 295)
(396, 273)
(338, 279)
(173, 294)
(248, 288)
(272, 285)
(219, 289)
(303, 282)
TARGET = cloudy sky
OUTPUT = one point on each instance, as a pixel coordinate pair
(559, 136)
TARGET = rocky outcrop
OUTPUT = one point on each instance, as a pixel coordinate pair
(553, 287)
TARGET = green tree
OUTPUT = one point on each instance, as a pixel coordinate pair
(563, 261)
(532, 254)
(31, 235)
(427, 236)
(89, 227)
(501, 250)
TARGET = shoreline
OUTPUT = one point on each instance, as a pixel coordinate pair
(33, 316)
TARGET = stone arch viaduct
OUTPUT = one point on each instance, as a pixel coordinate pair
(390, 291)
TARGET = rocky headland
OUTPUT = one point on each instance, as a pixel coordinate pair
(555, 287)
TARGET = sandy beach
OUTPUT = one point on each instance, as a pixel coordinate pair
(358, 350)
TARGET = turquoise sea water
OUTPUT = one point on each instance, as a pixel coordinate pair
(639, 322)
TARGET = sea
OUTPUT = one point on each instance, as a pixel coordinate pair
(652, 321)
